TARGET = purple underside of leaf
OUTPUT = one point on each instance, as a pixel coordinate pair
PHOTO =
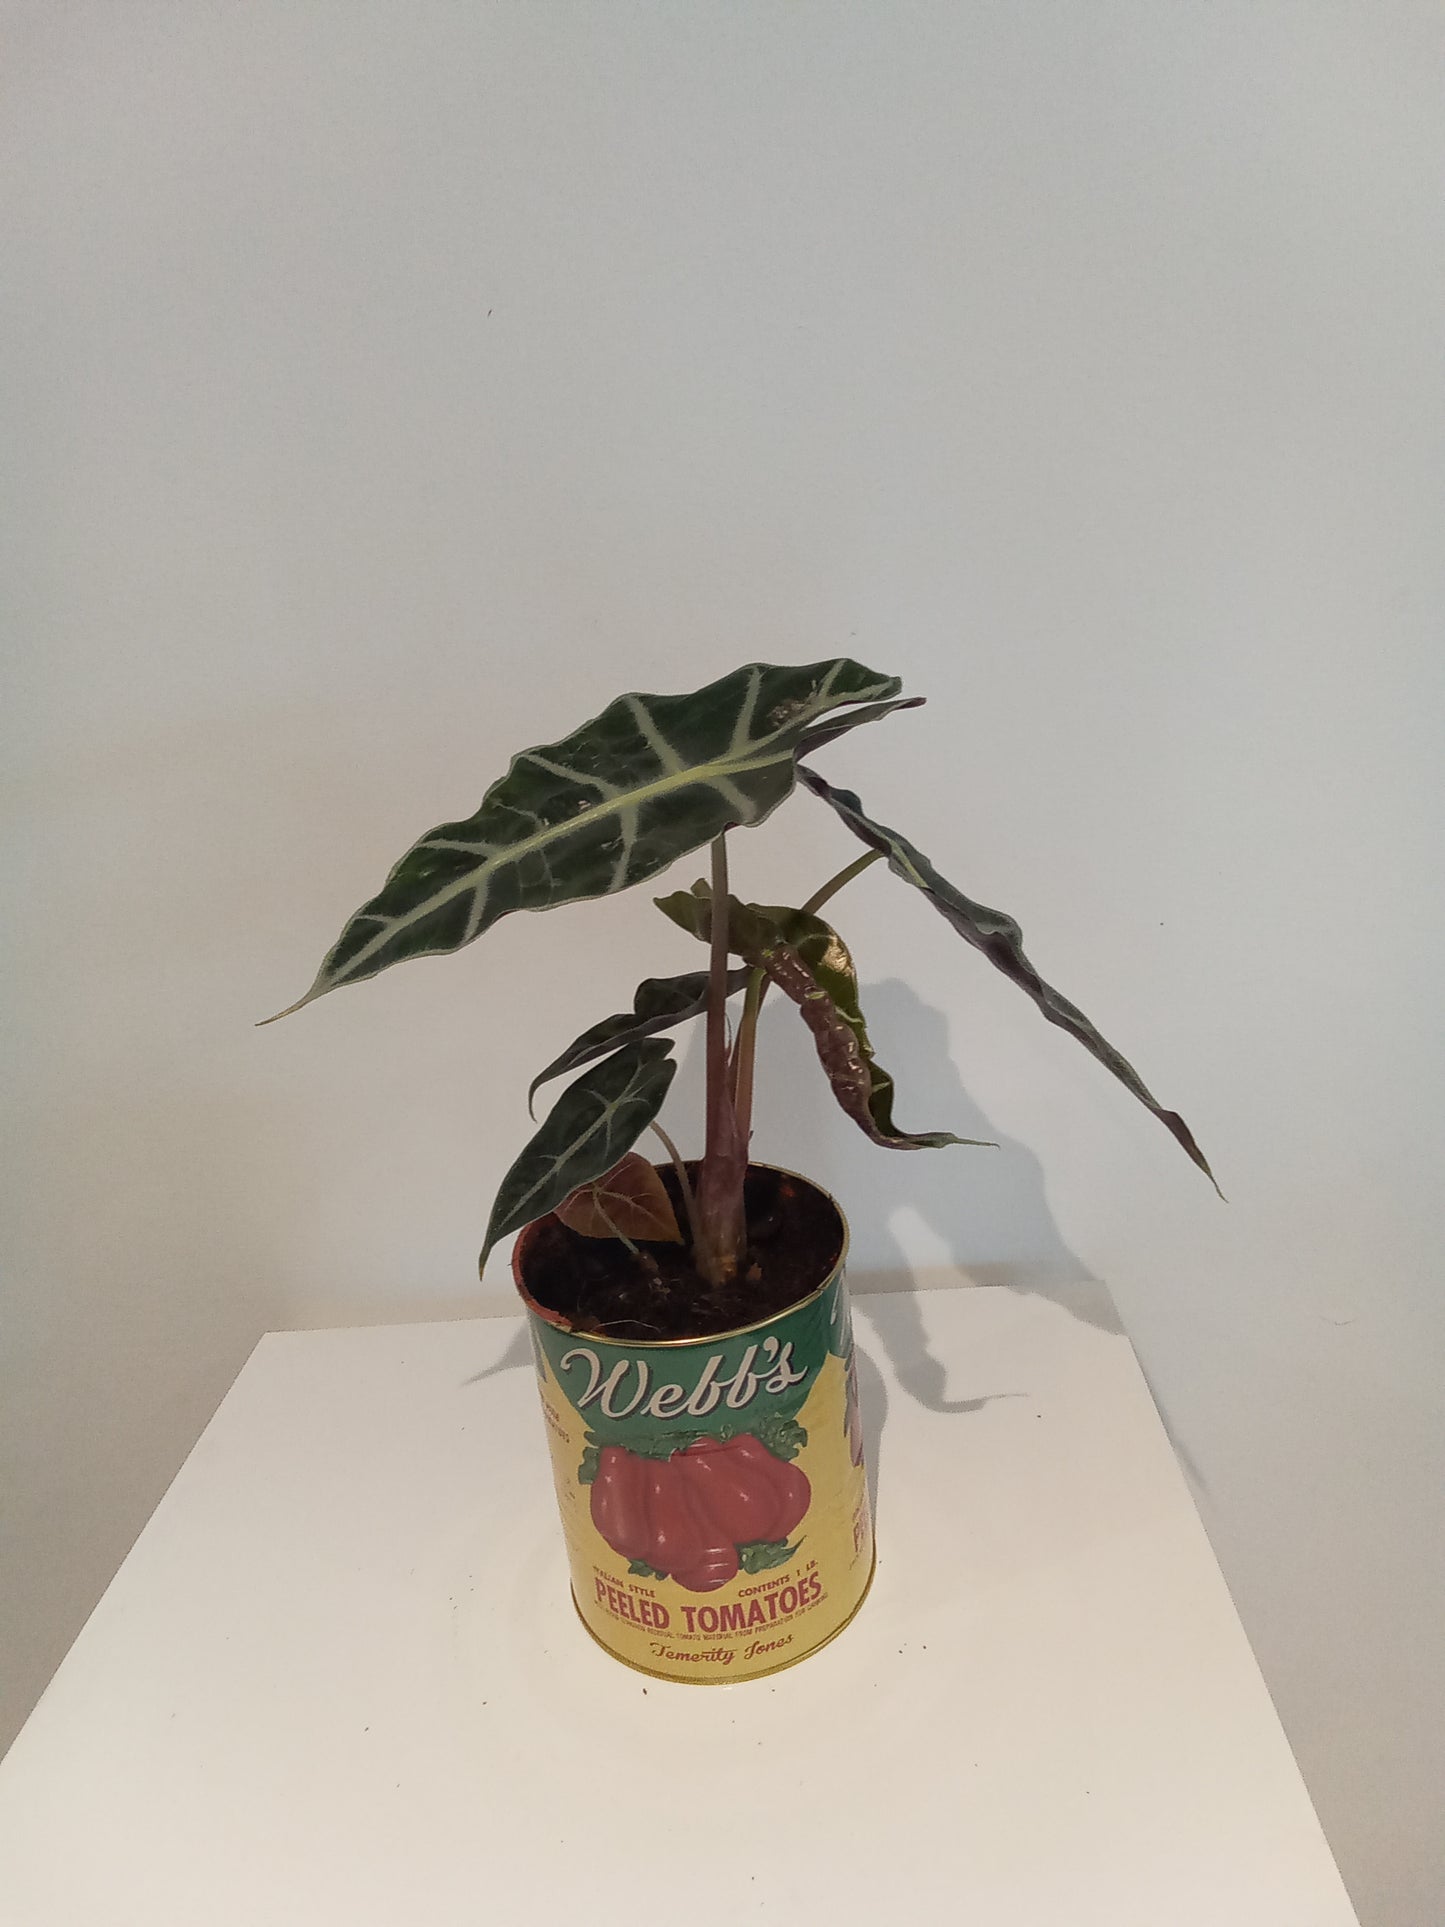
(849, 1072)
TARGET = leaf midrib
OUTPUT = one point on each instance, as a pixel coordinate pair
(611, 806)
(570, 1150)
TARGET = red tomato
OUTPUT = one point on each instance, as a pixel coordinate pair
(789, 1482)
(718, 1565)
(745, 1505)
(680, 1539)
(617, 1503)
(687, 1515)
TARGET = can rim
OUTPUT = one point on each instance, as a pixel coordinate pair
(559, 1323)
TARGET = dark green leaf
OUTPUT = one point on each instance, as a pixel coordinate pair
(809, 963)
(587, 1470)
(783, 1437)
(691, 910)
(998, 936)
(595, 1120)
(640, 1569)
(763, 1554)
(610, 805)
(659, 1003)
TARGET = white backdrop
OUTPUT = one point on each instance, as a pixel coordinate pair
(391, 385)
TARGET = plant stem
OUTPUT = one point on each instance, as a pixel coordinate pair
(684, 1182)
(746, 1047)
(717, 996)
(721, 1229)
(602, 1214)
(743, 1053)
(835, 884)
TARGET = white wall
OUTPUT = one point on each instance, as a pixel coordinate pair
(390, 385)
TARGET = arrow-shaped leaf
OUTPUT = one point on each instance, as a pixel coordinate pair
(598, 1118)
(648, 780)
(810, 963)
(659, 1003)
(998, 936)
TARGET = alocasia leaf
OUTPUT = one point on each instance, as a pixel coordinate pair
(824, 733)
(998, 936)
(597, 1118)
(810, 963)
(629, 1201)
(658, 1003)
(619, 799)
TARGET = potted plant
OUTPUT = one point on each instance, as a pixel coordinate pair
(690, 1321)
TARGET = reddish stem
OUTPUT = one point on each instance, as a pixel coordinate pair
(721, 1227)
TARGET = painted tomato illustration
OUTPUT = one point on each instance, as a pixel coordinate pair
(688, 1515)
(748, 1490)
(617, 1504)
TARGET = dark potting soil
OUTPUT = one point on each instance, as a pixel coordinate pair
(795, 1235)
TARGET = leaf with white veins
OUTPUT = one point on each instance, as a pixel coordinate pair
(597, 1118)
(998, 936)
(659, 1003)
(618, 800)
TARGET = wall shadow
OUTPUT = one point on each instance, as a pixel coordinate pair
(986, 1211)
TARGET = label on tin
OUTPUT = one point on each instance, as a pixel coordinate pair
(712, 1492)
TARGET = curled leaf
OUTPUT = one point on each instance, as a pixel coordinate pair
(810, 963)
(829, 732)
(629, 1201)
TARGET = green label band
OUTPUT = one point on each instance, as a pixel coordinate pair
(707, 1386)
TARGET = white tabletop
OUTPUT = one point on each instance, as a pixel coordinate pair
(339, 1679)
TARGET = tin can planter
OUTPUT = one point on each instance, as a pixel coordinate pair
(712, 1490)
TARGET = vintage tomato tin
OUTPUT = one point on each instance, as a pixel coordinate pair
(712, 1490)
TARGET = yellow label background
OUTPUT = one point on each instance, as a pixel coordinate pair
(757, 1622)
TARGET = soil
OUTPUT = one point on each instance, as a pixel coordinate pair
(795, 1235)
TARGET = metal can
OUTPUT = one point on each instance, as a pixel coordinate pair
(713, 1494)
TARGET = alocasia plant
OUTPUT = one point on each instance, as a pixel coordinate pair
(614, 804)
